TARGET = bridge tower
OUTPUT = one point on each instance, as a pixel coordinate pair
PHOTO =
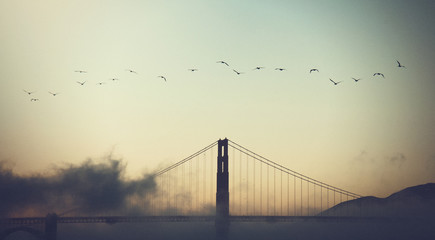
(51, 226)
(222, 191)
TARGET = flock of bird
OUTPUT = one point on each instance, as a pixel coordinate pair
(54, 94)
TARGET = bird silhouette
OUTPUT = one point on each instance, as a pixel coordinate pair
(131, 71)
(162, 77)
(400, 65)
(356, 79)
(34, 99)
(223, 63)
(80, 71)
(280, 69)
(54, 94)
(27, 92)
(114, 79)
(335, 83)
(380, 74)
(258, 68)
(192, 69)
(101, 83)
(81, 83)
(314, 70)
(238, 73)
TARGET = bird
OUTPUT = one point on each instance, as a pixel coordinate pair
(280, 69)
(314, 70)
(223, 63)
(356, 79)
(335, 83)
(81, 83)
(380, 74)
(258, 68)
(400, 65)
(162, 77)
(131, 71)
(238, 73)
(80, 71)
(114, 79)
(101, 83)
(54, 94)
(27, 92)
(34, 99)
(192, 69)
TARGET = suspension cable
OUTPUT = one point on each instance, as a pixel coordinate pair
(287, 170)
(185, 160)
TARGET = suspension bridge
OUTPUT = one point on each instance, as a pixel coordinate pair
(242, 186)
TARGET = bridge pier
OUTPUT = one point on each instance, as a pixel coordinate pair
(51, 226)
(222, 192)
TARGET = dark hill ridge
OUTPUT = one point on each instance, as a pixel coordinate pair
(414, 202)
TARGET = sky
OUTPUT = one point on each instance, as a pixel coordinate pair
(372, 137)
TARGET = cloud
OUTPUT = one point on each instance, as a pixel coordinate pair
(89, 187)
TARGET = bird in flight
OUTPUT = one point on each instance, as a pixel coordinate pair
(223, 63)
(80, 71)
(34, 99)
(258, 68)
(131, 71)
(280, 69)
(356, 79)
(101, 83)
(27, 92)
(314, 70)
(400, 65)
(114, 79)
(162, 77)
(380, 74)
(81, 83)
(238, 73)
(335, 83)
(54, 94)
(192, 69)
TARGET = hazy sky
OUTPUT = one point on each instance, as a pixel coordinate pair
(372, 137)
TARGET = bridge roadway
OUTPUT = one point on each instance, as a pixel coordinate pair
(134, 219)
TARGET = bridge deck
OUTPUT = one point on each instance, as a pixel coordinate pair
(132, 219)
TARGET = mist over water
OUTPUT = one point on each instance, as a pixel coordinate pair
(90, 187)
(241, 231)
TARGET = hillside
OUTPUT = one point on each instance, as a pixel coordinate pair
(414, 202)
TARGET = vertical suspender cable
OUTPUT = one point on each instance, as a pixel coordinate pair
(314, 190)
(301, 198)
(294, 195)
(190, 186)
(308, 197)
(197, 184)
(288, 194)
(240, 183)
(274, 191)
(327, 198)
(176, 191)
(203, 181)
(233, 171)
(183, 188)
(281, 193)
(267, 191)
(261, 188)
(321, 201)
(253, 163)
(247, 185)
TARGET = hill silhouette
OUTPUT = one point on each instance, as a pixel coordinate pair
(412, 202)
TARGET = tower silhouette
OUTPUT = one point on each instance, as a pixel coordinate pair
(222, 192)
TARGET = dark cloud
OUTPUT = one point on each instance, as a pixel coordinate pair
(90, 187)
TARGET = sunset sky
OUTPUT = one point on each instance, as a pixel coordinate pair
(372, 137)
